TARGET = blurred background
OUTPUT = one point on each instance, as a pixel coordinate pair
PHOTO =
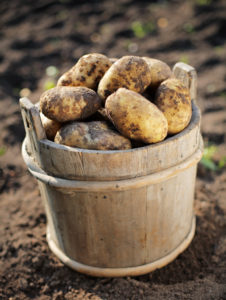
(42, 39)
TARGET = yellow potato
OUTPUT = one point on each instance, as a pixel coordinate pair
(51, 127)
(64, 104)
(130, 72)
(160, 71)
(136, 117)
(96, 135)
(87, 72)
(173, 99)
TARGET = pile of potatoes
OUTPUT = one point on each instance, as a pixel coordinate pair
(103, 103)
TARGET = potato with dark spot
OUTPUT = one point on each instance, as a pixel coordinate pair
(173, 99)
(96, 135)
(64, 104)
(86, 72)
(136, 117)
(51, 127)
(131, 72)
(160, 71)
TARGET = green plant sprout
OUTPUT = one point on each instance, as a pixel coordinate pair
(222, 162)
(16, 92)
(2, 150)
(140, 30)
(51, 72)
(149, 27)
(62, 15)
(207, 159)
(189, 28)
(49, 84)
(223, 95)
(219, 49)
(184, 58)
(203, 2)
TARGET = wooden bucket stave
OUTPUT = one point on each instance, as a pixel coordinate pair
(117, 213)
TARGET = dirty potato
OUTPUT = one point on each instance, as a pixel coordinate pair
(136, 117)
(64, 104)
(51, 127)
(160, 71)
(96, 135)
(87, 72)
(173, 99)
(131, 72)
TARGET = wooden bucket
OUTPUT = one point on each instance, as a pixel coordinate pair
(117, 213)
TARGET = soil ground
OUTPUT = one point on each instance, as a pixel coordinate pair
(37, 34)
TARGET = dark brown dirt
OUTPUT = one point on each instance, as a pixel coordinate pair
(37, 34)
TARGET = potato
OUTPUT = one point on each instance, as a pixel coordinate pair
(173, 99)
(51, 127)
(64, 104)
(160, 71)
(130, 72)
(136, 117)
(87, 72)
(96, 135)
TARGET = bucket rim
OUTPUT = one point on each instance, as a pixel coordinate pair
(113, 185)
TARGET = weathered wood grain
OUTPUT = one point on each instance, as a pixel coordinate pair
(33, 128)
(187, 74)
